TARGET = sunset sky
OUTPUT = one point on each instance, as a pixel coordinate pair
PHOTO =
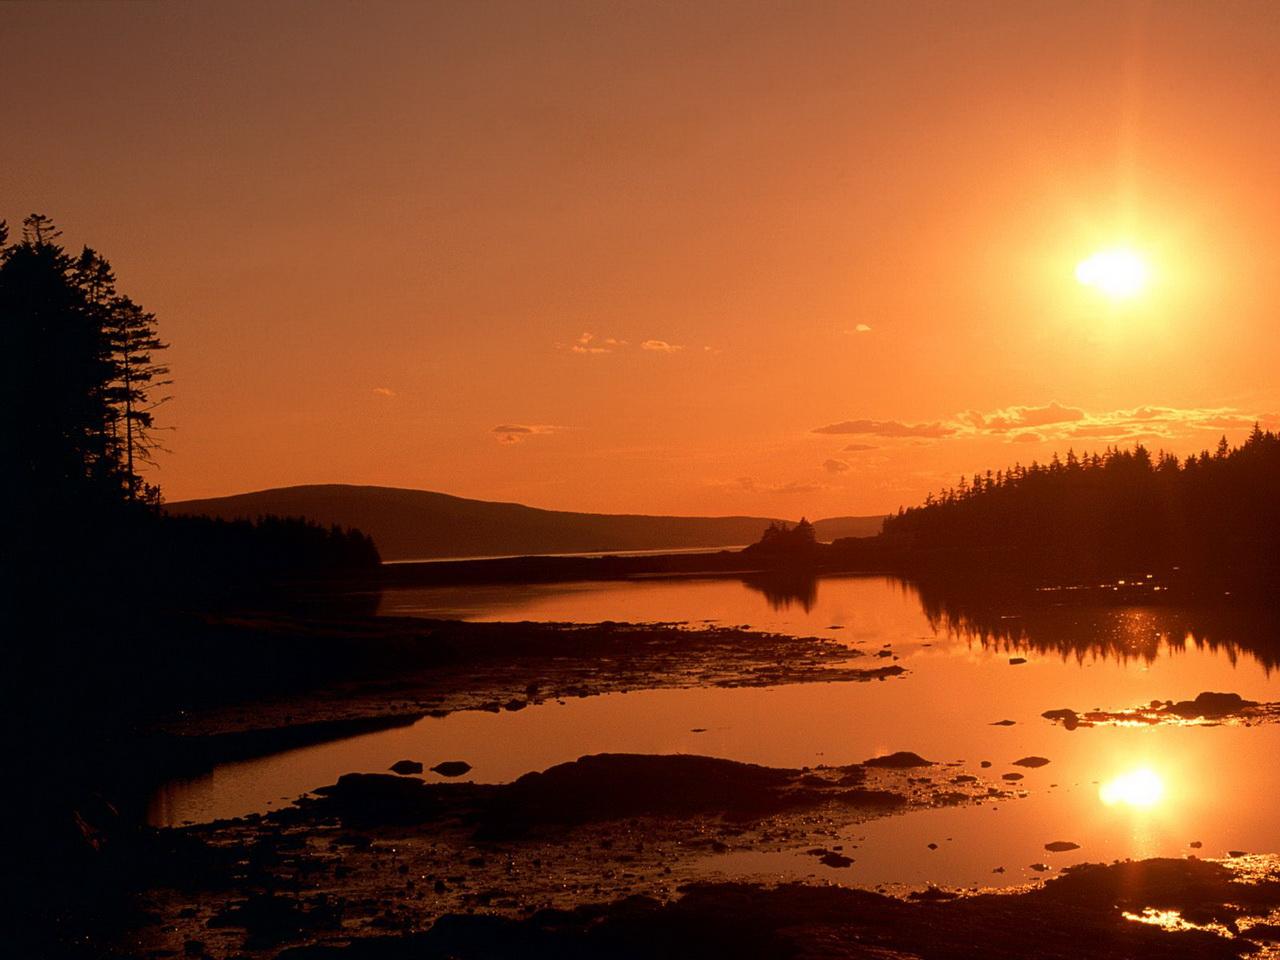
(655, 257)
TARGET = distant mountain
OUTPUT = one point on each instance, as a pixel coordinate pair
(419, 524)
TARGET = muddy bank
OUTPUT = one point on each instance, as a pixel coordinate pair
(381, 852)
(1207, 708)
(401, 669)
(1086, 913)
(600, 788)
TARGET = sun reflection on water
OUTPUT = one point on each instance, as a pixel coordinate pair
(1141, 789)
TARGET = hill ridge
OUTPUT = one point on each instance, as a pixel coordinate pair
(408, 523)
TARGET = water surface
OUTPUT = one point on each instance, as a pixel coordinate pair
(1212, 784)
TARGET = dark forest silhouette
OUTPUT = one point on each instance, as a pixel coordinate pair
(1213, 516)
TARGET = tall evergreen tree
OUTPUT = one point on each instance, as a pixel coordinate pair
(134, 344)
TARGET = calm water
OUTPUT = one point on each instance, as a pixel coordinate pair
(1118, 792)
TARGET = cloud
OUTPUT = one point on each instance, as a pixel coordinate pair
(860, 328)
(835, 466)
(516, 432)
(1057, 421)
(889, 428)
(1018, 418)
(661, 346)
(1161, 423)
(752, 485)
(859, 447)
(588, 343)
(384, 391)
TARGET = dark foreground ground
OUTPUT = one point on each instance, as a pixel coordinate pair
(607, 856)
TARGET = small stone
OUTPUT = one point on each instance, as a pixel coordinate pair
(1014, 661)
(900, 760)
(452, 768)
(1031, 762)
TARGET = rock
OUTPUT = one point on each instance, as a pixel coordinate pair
(1068, 718)
(1040, 867)
(932, 895)
(1210, 704)
(451, 768)
(406, 767)
(933, 846)
(901, 760)
(1237, 853)
(833, 859)
(1061, 846)
(1031, 762)
(1014, 661)
(374, 798)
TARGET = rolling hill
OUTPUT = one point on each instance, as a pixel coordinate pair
(419, 524)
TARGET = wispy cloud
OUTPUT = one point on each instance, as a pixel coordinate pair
(1020, 418)
(384, 391)
(859, 447)
(753, 485)
(589, 344)
(888, 428)
(860, 328)
(835, 466)
(517, 432)
(1057, 421)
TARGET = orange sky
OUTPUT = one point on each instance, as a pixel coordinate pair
(689, 258)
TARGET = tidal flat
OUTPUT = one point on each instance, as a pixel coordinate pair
(855, 767)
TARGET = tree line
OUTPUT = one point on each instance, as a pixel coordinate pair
(1113, 513)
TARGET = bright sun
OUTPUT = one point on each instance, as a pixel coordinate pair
(1140, 788)
(1119, 273)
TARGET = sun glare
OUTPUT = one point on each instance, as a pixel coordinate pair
(1140, 788)
(1119, 273)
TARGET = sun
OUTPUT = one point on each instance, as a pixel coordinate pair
(1139, 788)
(1118, 273)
